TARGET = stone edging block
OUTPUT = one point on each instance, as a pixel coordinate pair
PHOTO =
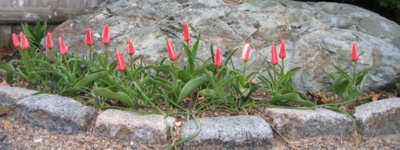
(147, 129)
(232, 132)
(11, 95)
(52, 112)
(297, 124)
(379, 118)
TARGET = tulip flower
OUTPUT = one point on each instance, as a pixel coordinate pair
(89, 37)
(89, 42)
(218, 58)
(282, 51)
(49, 42)
(246, 52)
(171, 51)
(131, 48)
(120, 61)
(274, 56)
(354, 55)
(15, 40)
(63, 47)
(186, 32)
(24, 41)
(106, 35)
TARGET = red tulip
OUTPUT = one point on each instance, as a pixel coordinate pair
(63, 48)
(24, 41)
(186, 32)
(354, 55)
(15, 40)
(89, 37)
(171, 51)
(106, 35)
(218, 58)
(49, 42)
(120, 61)
(274, 57)
(246, 52)
(282, 51)
(131, 48)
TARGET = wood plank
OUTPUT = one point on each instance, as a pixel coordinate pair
(10, 15)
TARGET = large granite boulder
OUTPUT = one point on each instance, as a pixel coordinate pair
(316, 34)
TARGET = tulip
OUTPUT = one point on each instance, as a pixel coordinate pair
(282, 51)
(49, 42)
(15, 40)
(106, 35)
(274, 56)
(120, 61)
(246, 52)
(354, 55)
(171, 51)
(186, 32)
(218, 58)
(131, 48)
(24, 41)
(63, 48)
(89, 37)
(89, 42)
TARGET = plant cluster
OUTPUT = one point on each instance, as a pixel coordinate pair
(194, 86)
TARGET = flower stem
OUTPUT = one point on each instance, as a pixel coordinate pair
(106, 54)
(244, 69)
(66, 62)
(90, 55)
(354, 69)
(283, 67)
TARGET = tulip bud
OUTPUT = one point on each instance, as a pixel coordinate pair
(15, 40)
(24, 41)
(282, 51)
(246, 52)
(186, 32)
(354, 55)
(89, 37)
(274, 56)
(49, 42)
(106, 35)
(63, 48)
(218, 58)
(171, 51)
(131, 48)
(120, 61)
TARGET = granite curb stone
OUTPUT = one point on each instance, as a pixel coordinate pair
(147, 129)
(232, 132)
(52, 112)
(297, 124)
(11, 95)
(379, 118)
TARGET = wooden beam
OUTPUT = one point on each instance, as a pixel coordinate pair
(12, 15)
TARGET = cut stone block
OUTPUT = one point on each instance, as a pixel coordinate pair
(11, 95)
(52, 112)
(233, 132)
(379, 118)
(147, 129)
(297, 124)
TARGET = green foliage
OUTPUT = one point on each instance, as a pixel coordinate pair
(35, 34)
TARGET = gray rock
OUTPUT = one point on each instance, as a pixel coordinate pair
(11, 95)
(316, 34)
(234, 132)
(297, 124)
(379, 118)
(53, 112)
(146, 129)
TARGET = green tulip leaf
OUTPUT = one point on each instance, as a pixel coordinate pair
(191, 86)
(340, 85)
(119, 96)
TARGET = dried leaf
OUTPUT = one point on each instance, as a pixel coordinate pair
(4, 83)
(6, 124)
(375, 96)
